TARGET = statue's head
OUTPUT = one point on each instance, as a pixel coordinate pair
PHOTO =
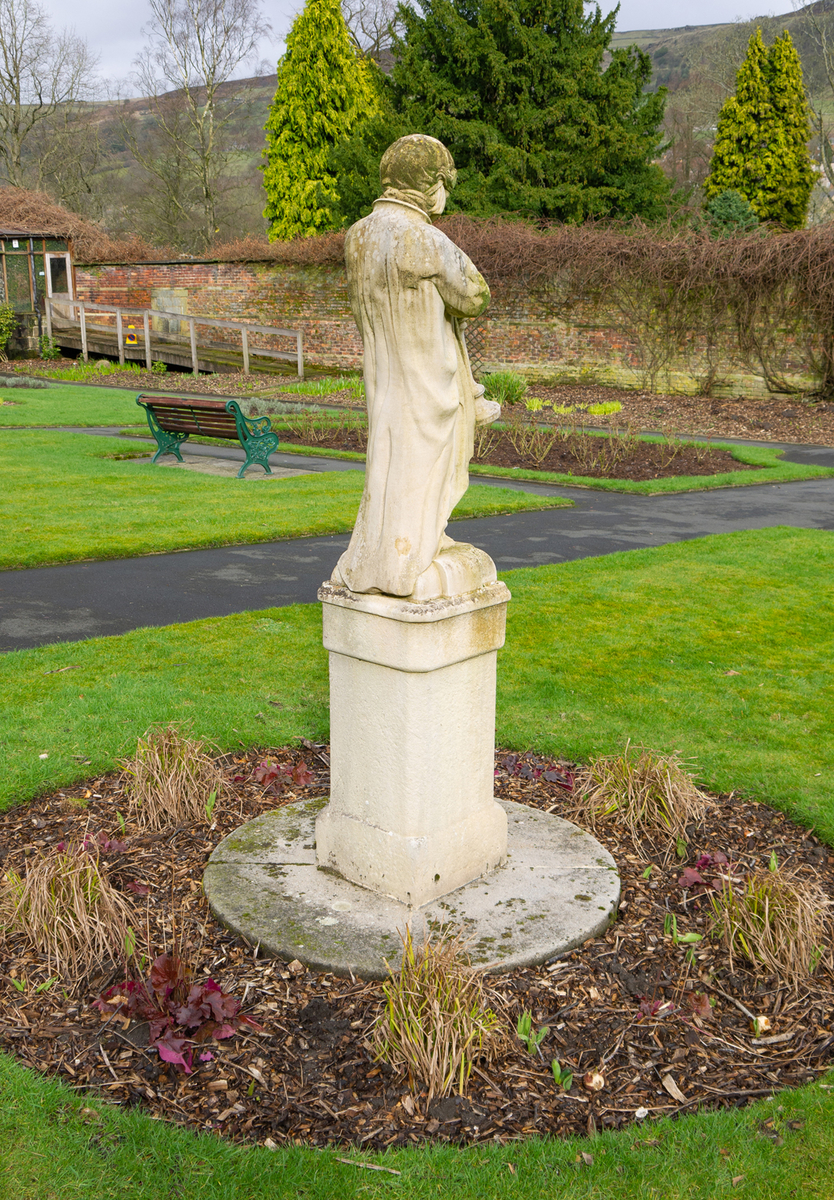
(419, 170)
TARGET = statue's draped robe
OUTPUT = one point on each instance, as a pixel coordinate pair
(409, 288)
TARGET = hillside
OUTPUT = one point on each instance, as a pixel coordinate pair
(675, 52)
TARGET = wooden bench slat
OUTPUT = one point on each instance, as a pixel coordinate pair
(223, 429)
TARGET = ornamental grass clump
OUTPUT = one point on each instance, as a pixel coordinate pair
(505, 387)
(172, 780)
(67, 909)
(436, 1022)
(651, 794)
(774, 919)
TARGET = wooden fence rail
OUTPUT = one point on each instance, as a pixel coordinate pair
(56, 318)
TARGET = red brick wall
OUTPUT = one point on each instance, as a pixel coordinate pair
(521, 329)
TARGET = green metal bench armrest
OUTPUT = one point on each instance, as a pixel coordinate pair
(167, 443)
(256, 436)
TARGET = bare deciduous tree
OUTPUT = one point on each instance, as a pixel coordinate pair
(45, 76)
(372, 24)
(814, 24)
(187, 143)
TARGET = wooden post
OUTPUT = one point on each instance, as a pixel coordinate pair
(147, 317)
(120, 337)
(47, 308)
(83, 323)
(300, 348)
(193, 330)
(245, 342)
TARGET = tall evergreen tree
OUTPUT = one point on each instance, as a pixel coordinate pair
(761, 143)
(518, 92)
(324, 89)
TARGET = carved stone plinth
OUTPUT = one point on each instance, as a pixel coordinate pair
(412, 707)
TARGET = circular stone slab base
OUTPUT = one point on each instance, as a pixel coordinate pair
(558, 887)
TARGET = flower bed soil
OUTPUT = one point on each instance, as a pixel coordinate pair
(778, 419)
(574, 456)
(669, 1034)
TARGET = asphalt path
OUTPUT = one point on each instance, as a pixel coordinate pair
(90, 599)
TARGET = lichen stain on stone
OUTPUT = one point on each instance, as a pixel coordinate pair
(274, 871)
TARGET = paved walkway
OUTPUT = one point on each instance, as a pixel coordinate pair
(82, 600)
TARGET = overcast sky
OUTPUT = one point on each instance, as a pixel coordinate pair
(113, 30)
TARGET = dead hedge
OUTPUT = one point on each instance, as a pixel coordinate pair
(35, 212)
(761, 301)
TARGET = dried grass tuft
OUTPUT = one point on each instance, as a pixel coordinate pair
(66, 906)
(172, 780)
(774, 919)
(436, 1020)
(651, 794)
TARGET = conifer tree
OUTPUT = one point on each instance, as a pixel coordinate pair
(324, 89)
(761, 144)
(518, 91)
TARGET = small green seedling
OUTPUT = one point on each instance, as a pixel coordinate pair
(20, 984)
(773, 865)
(528, 1035)
(562, 1078)
(670, 929)
(647, 874)
(130, 942)
(210, 803)
(815, 960)
(681, 848)
(121, 821)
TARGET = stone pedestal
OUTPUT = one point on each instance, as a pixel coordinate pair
(412, 707)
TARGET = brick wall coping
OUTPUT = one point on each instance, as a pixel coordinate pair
(206, 262)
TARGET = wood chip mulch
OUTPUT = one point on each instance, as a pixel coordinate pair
(668, 1027)
(792, 419)
(234, 384)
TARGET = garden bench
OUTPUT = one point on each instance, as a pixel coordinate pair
(173, 421)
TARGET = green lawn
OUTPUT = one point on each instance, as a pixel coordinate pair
(55, 1145)
(639, 644)
(62, 404)
(709, 647)
(119, 507)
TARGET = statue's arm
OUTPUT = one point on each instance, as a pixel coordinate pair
(461, 285)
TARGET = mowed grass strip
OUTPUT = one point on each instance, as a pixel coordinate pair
(718, 648)
(62, 404)
(644, 644)
(67, 497)
(57, 1145)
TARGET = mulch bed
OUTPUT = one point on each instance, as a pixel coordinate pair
(234, 384)
(572, 456)
(670, 1032)
(779, 419)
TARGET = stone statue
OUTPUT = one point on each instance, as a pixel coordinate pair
(410, 290)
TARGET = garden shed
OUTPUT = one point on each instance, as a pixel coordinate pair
(33, 263)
